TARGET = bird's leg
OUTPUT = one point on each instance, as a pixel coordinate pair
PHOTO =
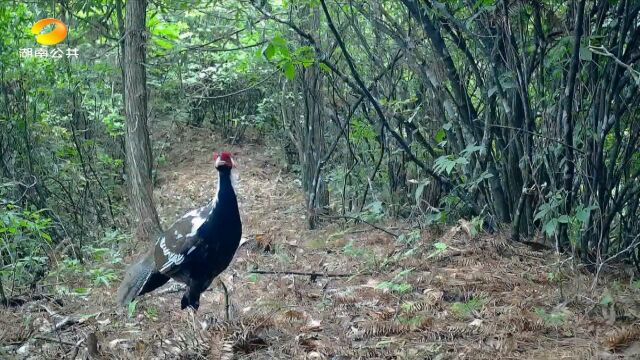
(226, 300)
(191, 305)
(192, 315)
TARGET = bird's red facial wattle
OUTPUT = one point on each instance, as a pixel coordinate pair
(223, 159)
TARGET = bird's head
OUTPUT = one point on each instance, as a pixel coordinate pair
(223, 160)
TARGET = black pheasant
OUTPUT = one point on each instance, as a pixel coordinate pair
(195, 249)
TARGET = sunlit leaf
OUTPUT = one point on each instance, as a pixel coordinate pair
(289, 71)
(163, 43)
(324, 67)
(269, 51)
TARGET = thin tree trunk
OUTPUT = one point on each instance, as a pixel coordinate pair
(568, 125)
(138, 147)
(314, 145)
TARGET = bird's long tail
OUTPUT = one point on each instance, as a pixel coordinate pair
(141, 277)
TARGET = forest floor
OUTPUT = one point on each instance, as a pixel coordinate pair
(439, 294)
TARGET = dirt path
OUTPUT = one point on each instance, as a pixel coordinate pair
(440, 295)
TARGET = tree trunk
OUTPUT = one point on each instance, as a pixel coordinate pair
(138, 147)
(314, 147)
(568, 126)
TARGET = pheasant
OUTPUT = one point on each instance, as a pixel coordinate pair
(193, 250)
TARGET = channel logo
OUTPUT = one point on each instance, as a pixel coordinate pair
(54, 36)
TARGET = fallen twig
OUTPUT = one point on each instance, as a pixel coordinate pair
(313, 275)
(20, 300)
(364, 221)
(58, 321)
(48, 339)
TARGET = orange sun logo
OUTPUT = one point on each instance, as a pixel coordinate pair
(54, 36)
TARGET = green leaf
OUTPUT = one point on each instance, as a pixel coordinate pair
(440, 246)
(404, 272)
(289, 71)
(564, 219)
(284, 51)
(131, 308)
(324, 67)
(168, 30)
(440, 135)
(279, 42)
(541, 213)
(606, 298)
(163, 43)
(435, 217)
(470, 149)
(269, 51)
(553, 318)
(484, 3)
(551, 276)
(307, 62)
(446, 163)
(550, 227)
(582, 214)
(81, 291)
(383, 285)
(402, 288)
(585, 54)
